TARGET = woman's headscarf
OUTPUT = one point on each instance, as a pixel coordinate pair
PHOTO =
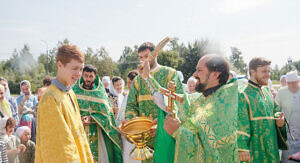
(115, 93)
(106, 79)
(28, 83)
(21, 130)
(191, 79)
(5, 107)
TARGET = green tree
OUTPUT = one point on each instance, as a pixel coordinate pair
(100, 59)
(128, 61)
(275, 73)
(170, 59)
(237, 60)
(191, 55)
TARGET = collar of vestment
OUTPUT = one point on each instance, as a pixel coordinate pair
(95, 86)
(155, 68)
(60, 85)
(211, 90)
(254, 84)
(89, 88)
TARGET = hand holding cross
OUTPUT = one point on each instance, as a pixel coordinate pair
(170, 93)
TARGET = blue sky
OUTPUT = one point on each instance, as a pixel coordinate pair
(268, 28)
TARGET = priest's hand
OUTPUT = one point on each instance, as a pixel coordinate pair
(171, 124)
(115, 110)
(86, 120)
(153, 128)
(244, 156)
(280, 120)
(144, 69)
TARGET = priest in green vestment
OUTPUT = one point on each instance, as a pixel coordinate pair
(140, 102)
(205, 124)
(258, 125)
(98, 118)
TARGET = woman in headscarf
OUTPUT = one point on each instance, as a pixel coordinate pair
(26, 103)
(13, 145)
(116, 93)
(191, 85)
(4, 104)
(23, 133)
(11, 100)
(106, 83)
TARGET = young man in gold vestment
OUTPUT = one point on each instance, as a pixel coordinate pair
(60, 134)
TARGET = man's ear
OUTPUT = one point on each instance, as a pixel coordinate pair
(252, 72)
(59, 64)
(215, 75)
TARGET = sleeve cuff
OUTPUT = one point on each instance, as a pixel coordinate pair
(177, 132)
(243, 150)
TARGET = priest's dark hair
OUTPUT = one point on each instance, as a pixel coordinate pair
(217, 63)
(145, 46)
(90, 68)
(132, 74)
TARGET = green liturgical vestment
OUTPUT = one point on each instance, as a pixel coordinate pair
(208, 131)
(257, 128)
(140, 102)
(95, 103)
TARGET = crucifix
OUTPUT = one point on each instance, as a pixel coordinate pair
(170, 93)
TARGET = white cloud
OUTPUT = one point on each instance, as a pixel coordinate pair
(235, 6)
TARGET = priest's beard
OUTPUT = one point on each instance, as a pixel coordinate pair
(261, 80)
(88, 85)
(200, 87)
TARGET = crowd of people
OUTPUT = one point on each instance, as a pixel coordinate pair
(75, 116)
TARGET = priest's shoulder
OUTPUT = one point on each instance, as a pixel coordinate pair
(52, 92)
(166, 68)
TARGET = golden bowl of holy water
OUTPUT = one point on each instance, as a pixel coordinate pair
(137, 131)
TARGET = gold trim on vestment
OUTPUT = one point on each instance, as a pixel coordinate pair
(260, 90)
(136, 84)
(250, 111)
(177, 146)
(144, 98)
(155, 71)
(108, 134)
(99, 151)
(170, 75)
(243, 133)
(248, 101)
(94, 99)
(227, 140)
(260, 118)
(243, 150)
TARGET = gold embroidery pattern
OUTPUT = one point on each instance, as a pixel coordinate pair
(144, 98)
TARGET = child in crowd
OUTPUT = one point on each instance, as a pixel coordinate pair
(3, 155)
(13, 146)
